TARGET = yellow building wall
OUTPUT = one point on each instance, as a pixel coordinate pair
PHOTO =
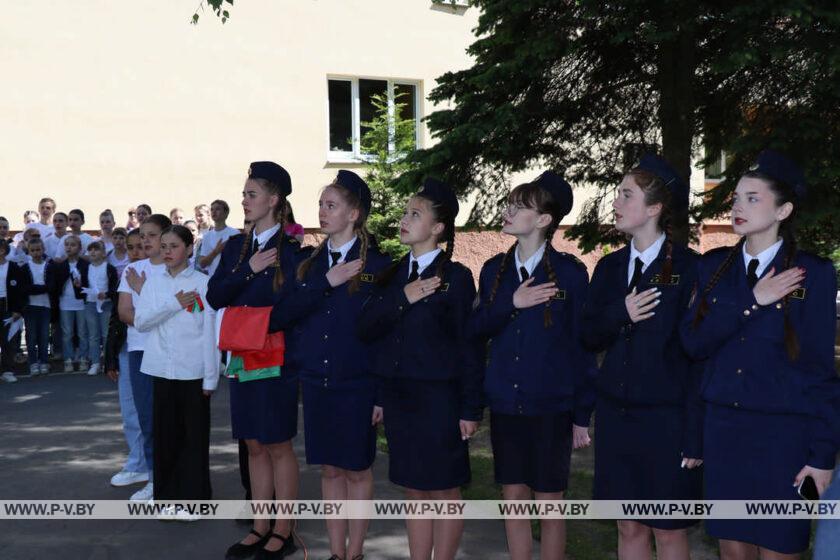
(109, 104)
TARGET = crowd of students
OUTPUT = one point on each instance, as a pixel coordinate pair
(715, 379)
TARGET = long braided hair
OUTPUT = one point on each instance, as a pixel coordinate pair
(657, 192)
(783, 193)
(531, 195)
(279, 217)
(359, 230)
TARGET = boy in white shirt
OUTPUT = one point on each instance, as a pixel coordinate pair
(214, 240)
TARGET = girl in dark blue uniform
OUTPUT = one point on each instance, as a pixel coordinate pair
(430, 372)
(258, 270)
(531, 300)
(333, 282)
(767, 328)
(648, 410)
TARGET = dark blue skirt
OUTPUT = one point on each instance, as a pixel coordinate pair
(532, 450)
(638, 457)
(755, 456)
(265, 410)
(425, 449)
(337, 425)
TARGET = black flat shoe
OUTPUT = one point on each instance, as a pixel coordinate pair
(288, 548)
(240, 550)
(358, 557)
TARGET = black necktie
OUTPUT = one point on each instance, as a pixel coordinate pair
(523, 273)
(256, 246)
(637, 274)
(752, 277)
(415, 272)
(334, 255)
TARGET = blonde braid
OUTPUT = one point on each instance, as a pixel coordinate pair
(278, 271)
(303, 268)
(249, 241)
(364, 240)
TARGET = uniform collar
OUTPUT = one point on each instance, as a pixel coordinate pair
(531, 263)
(344, 249)
(264, 237)
(648, 255)
(423, 260)
(764, 258)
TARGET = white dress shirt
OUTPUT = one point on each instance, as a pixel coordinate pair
(344, 249)
(648, 256)
(530, 263)
(181, 345)
(764, 258)
(423, 261)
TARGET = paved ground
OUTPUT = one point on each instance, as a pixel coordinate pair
(61, 438)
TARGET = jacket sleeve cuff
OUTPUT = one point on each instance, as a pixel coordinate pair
(581, 417)
(822, 456)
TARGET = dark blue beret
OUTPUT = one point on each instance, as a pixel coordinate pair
(356, 185)
(662, 169)
(780, 168)
(440, 193)
(273, 173)
(559, 190)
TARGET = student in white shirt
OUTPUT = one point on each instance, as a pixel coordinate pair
(29, 217)
(20, 253)
(182, 357)
(202, 219)
(196, 247)
(75, 221)
(54, 243)
(106, 230)
(66, 285)
(11, 305)
(176, 215)
(36, 314)
(100, 287)
(46, 209)
(129, 290)
(118, 257)
(214, 240)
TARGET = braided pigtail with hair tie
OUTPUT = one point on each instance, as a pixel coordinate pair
(278, 271)
(505, 261)
(703, 308)
(364, 241)
(249, 242)
(303, 267)
(791, 340)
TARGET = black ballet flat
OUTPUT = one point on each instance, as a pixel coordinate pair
(289, 547)
(239, 550)
(358, 557)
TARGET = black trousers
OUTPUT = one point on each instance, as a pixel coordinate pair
(181, 428)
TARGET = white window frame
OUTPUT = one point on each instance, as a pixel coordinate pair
(719, 178)
(355, 155)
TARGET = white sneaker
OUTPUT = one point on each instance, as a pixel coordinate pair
(144, 494)
(34, 370)
(168, 513)
(94, 370)
(84, 365)
(9, 377)
(45, 369)
(182, 514)
(68, 366)
(127, 478)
